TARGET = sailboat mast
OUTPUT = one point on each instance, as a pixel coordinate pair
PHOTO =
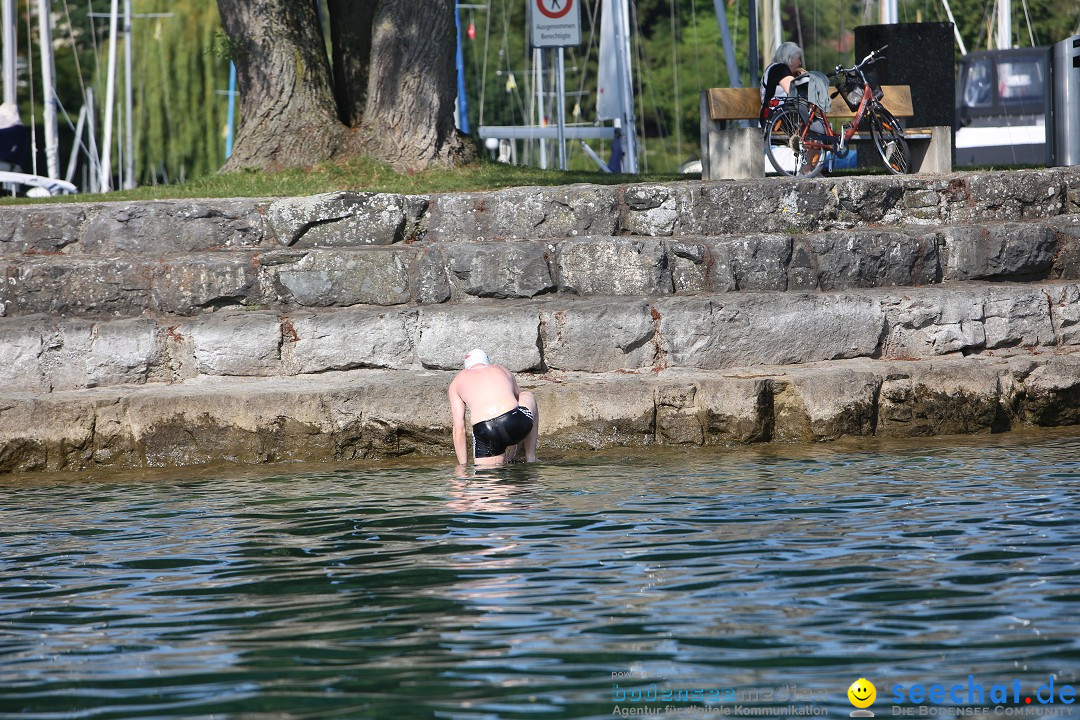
(729, 46)
(888, 12)
(9, 50)
(129, 103)
(626, 78)
(777, 27)
(48, 82)
(755, 56)
(1004, 24)
(110, 100)
(956, 31)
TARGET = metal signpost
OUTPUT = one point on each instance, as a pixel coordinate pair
(557, 24)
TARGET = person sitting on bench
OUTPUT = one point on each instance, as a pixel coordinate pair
(787, 65)
(12, 138)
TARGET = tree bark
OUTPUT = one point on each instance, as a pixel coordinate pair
(412, 85)
(391, 96)
(287, 110)
(350, 36)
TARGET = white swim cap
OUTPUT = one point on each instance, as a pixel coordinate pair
(476, 357)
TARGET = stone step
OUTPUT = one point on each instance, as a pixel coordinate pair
(430, 273)
(345, 416)
(682, 209)
(42, 353)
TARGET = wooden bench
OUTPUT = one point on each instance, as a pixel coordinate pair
(731, 149)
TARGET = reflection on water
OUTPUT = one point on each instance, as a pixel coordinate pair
(401, 592)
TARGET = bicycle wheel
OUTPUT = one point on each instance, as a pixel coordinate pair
(889, 139)
(789, 155)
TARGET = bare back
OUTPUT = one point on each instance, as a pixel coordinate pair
(487, 390)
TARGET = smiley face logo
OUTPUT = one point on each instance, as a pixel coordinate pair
(862, 695)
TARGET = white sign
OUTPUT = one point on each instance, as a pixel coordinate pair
(555, 23)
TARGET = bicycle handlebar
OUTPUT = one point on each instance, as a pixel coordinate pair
(873, 57)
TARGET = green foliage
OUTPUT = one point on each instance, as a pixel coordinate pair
(225, 48)
(179, 113)
(360, 174)
(178, 116)
(181, 67)
(678, 53)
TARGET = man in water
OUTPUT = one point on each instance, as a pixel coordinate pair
(503, 416)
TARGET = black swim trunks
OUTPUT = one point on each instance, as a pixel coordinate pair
(492, 437)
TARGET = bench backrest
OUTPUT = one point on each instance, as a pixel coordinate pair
(745, 103)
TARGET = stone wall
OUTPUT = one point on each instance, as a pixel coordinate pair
(327, 327)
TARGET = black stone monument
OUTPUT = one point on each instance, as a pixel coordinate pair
(921, 56)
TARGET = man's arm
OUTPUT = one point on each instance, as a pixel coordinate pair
(513, 383)
(457, 412)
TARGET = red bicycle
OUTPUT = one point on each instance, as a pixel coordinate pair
(798, 133)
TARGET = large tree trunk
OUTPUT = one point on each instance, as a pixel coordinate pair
(287, 110)
(412, 85)
(350, 37)
(391, 97)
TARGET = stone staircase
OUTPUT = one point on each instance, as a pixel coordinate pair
(327, 328)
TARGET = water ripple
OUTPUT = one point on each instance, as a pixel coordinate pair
(407, 592)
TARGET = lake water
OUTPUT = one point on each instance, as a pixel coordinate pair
(753, 581)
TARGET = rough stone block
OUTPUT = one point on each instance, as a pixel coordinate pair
(678, 419)
(175, 354)
(500, 270)
(689, 268)
(998, 251)
(940, 321)
(753, 206)
(40, 433)
(338, 219)
(946, 398)
(613, 266)
(430, 274)
(74, 286)
(22, 343)
(921, 199)
(119, 352)
(598, 336)
(1064, 304)
(236, 343)
(525, 212)
(1051, 393)
(346, 339)
(1011, 196)
(401, 418)
(1067, 260)
(169, 227)
(40, 229)
(592, 414)
(934, 321)
(1018, 316)
(824, 404)
(510, 333)
(753, 262)
(325, 278)
(863, 258)
(40, 354)
(767, 329)
(198, 425)
(204, 281)
(651, 210)
(737, 408)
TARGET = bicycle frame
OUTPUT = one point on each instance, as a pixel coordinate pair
(867, 100)
(839, 141)
(804, 129)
